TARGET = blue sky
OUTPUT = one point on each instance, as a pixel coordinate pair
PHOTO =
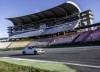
(14, 8)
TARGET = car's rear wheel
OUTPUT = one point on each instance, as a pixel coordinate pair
(35, 52)
(24, 53)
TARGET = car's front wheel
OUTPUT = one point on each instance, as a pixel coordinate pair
(35, 52)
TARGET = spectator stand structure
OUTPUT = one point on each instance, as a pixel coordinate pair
(61, 24)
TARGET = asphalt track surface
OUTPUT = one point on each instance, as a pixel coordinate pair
(85, 59)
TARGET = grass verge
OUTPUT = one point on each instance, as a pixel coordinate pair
(12, 65)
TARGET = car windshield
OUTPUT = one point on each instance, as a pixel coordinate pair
(31, 47)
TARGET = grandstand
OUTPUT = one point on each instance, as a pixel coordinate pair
(62, 24)
(65, 15)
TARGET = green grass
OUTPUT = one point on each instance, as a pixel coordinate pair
(8, 67)
(32, 65)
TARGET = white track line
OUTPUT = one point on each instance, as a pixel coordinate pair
(74, 64)
(82, 65)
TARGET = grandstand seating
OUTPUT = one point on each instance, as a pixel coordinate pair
(53, 40)
(4, 45)
(94, 36)
(50, 30)
(40, 42)
(82, 37)
(76, 37)
(27, 34)
(60, 28)
(18, 44)
(65, 39)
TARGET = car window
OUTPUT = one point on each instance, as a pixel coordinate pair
(34, 47)
(29, 47)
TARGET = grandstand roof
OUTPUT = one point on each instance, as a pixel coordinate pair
(63, 10)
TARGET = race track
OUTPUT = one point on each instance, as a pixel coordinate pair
(85, 59)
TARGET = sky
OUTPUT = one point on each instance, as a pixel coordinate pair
(15, 8)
